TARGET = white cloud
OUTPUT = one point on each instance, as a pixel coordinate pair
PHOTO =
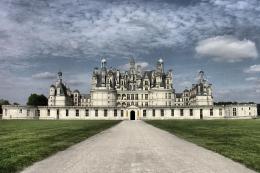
(237, 4)
(34, 31)
(44, 75)
(234, 94)
(75, 82)
(143, 65)
(253, 69)
(183, 80)
(251, 79)
(91, 28)
(227, 48)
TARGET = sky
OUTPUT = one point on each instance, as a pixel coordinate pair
(40, 37)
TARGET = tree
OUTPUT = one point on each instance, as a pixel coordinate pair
(37, 100)
(225, 103)
(3, 102)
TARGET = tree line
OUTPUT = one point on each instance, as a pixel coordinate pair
(33, 100)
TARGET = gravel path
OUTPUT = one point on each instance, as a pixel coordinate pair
(134, 146)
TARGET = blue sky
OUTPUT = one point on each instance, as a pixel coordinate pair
(39, 37)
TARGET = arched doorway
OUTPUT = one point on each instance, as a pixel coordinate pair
(132, 115)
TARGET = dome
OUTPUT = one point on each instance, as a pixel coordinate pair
(63, 89)
(76, 91)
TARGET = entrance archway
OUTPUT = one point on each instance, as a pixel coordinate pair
(132, 115)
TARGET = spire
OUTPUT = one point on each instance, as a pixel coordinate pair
(201, 77)
(132, 62)
(59, 76)
(160, 67)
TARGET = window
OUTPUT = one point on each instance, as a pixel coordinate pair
(115, 112)
(146, 104)
(86, 112)
(220, 112)
(5, 112)
(38, 113)
(191, 112)
(96, 113)
(166, 95)
(58, 112)
(181, 112)
(153, 112)
(211, 112)
(146, 82)
(172, 112)
(169, 96)
(136, 96)
(132, 97)
(162, 112)
(234, 112)
(105, 113)
(146, 96)
(20, 111)
(144, 113)
(128, 97)
(122, 113)
(28, 112)
(67, 112)
(77, 112)
(49, 112)
(201, 112)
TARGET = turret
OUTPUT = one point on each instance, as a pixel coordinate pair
(52, 90)
(159, 66)
(201, 77)
(132, 63)
(139, 69)
(103, 63)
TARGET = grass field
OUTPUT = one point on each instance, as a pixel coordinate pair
(23, 142)
(236, 139)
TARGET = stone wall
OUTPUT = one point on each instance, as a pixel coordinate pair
(120, 113)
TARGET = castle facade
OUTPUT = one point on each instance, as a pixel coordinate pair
(131, 94)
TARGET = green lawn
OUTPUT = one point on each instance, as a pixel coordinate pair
(236, 139)
(23, 142)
